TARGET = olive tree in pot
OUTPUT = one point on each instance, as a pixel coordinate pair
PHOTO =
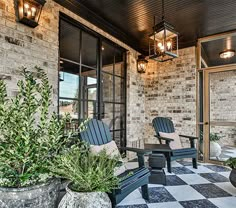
(30, 138)
(90, 177)
(231, 162)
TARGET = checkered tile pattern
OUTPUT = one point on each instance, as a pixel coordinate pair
(205, 187)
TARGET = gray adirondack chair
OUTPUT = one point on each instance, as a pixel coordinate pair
(98, 133)
(165, 125)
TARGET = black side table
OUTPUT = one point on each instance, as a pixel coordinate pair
(156, 164)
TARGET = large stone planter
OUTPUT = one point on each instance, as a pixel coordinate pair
(232, 177)
(39, 196)
(85, 200)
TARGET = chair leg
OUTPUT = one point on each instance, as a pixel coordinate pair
(168, 164)
(145, 193)
(194, 160)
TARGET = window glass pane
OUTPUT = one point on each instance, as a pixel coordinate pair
(89, 84)
(119, 62)
(119, 116)
(69, 106)
(89, 50)
(107, 87)
(69, 85)
(92, 81)
(89, 72)
(119, 138)
(108, 53)
(107, 114)
(69, 41)
(88, 109)
(92, 92)
(119, 90)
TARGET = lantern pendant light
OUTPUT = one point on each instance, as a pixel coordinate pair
(29, 11)
(163, 42)
(141, 64)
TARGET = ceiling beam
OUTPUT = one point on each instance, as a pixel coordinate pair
(87, 14)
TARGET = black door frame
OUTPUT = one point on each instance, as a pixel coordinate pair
(100, 39)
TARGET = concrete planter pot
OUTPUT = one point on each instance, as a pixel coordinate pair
(74, 199)
(215, 149)
(39, 196)
(232, 177)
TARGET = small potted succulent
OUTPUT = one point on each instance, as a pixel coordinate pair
(231, 162)
(90, 177)
(30, 138)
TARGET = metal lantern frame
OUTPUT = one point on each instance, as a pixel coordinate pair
(141, 64)
(165, 35)
(29, 11)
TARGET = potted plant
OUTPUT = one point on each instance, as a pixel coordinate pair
(231, 162)
(215, 148)
(30, 138)
(91, 176)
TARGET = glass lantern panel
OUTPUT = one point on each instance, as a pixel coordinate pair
(161, 35)
(30, 10)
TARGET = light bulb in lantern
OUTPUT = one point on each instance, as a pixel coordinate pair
(26, 7)
(29, 13)
(168, 44)
(33, 12)
(159, 45)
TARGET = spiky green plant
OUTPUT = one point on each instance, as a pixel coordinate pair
(87, 172)
(231, 162)
(30, 136)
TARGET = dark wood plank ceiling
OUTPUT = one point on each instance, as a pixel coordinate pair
(213, 48)
(132, 20)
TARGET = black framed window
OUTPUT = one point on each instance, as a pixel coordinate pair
(92, 78)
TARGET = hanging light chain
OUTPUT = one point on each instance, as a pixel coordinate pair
(163, 10)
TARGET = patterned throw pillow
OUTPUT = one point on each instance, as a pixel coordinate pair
(112, 150)
(176, 144)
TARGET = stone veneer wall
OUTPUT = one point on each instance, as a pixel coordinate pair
(223, 105)
(21, 45)
(135, 105)
(170, 91)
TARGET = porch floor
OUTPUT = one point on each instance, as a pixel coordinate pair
(205, 187)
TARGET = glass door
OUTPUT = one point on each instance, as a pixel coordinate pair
(78, 74)
(92, 79)
(219, 113)
(113, 102)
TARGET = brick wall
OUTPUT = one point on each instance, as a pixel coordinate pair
(170, 91)
(222, 105)
(21, 45)
(135, 105)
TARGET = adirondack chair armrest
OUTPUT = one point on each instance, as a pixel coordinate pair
(140, 154)
(168, 140)
(137, 150)
(191, 139)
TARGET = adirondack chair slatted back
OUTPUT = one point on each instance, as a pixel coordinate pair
(96, 133)
(162, 124)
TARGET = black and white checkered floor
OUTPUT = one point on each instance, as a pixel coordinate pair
(205, 187)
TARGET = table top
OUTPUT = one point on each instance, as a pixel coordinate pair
(157, 147)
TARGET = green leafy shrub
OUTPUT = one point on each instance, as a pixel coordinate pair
(231, 162)
(86, 171)
(214, 137)
(30, 137)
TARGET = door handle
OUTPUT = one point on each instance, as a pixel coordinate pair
(206, 123)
